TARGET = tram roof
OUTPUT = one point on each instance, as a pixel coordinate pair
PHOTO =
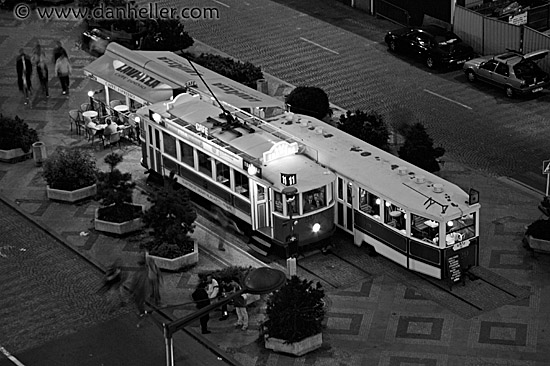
(188, 111)
(147, 73)
(378, 171)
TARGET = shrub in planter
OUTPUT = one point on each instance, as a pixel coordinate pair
(242, 72)
(367, 126)
(296, 311)
(309, 100)
(418, 148)
(166, 35)
(170, 220)
(114, 192)
(70, 169)
(16, 134)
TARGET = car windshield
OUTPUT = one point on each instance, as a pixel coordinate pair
(526, 69)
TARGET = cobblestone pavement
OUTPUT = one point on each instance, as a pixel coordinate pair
(476, 124)
(383, 317)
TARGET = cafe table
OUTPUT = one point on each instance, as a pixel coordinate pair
(121, 108)
(90, 114)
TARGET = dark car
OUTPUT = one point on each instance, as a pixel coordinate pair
(95, 40)
(434, 45)
(512, 71)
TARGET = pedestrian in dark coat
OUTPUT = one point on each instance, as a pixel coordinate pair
(200, 296)
(24, 73)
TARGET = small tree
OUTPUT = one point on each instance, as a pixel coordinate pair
(296, 311)
(114, 191)
(15, 133)
(309, 100)
(367, 126)
(418, 148)
(166, 35)
(171, 219)
(70, 169)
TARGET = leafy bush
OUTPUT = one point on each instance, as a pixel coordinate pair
(171, 219)
(114, 191)
(418, 148)
(296, 311)
(309, 100)
(367, 126)
(70, 169)
(539, 229)
(15, 133)
(242, 72)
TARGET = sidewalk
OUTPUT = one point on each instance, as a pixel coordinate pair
(374, 320)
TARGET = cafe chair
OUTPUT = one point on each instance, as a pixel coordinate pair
(94, 133)
(85, 107)
(114, 138)
(74, 119)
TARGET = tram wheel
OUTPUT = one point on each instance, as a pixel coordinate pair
(371, 250)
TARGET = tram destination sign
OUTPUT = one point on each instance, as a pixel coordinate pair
(288, 179)
(454, 270)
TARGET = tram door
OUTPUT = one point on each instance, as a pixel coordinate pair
(154, 150)
(261, 209)
(344, 204)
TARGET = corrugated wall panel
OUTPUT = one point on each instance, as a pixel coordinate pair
(468, 25)
(499, 36)
(532, 41)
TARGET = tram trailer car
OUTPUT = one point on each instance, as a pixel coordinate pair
(255, 173)
(404, 213)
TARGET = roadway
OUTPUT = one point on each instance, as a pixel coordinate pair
(342, 51)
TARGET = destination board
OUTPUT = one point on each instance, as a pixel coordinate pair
(453, 269)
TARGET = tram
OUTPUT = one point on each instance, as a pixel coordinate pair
(252, 170)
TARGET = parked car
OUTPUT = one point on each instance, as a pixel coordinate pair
(513, 71)
(435, 45)
(95, 40)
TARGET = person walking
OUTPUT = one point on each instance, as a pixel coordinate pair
(39, 61)
(112, 283)
(58, 51)
(24, 72)
(63, 70)
(226, 223)
(200, 296)
(240, 306)
(140, 289)
(155, 279)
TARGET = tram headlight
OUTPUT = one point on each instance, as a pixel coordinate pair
(316, 227)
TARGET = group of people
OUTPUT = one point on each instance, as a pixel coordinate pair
(208, 291)
(38, 60)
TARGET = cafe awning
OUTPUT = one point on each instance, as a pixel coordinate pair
(149, 74)
(122, 70)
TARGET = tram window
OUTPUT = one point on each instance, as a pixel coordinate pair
(261, 193)
(278, 206)
(205, 163)
(134, 105)
(186, 152)
(223, 174)
(150, 135)
(241, 184)
(394, 216)
(340, 189)
(369, 203)
(350, 193)
(315, 199)
(424, 229)
(157, 139)
(169, 144)
(460, 229)
(294, 204)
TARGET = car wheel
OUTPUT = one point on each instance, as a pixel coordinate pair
(509, 92)
(471, 76)
(393, 46)
(430, 62)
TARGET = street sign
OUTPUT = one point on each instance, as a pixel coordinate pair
(546, 167)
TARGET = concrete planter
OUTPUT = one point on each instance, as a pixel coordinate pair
(71, 196)
(177, 263)
(306, 345)
(119, 228)
(538, 245)
(14, 155)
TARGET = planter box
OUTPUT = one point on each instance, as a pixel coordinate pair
(298, 348)
(177, 263)
(71, 196)
(14, 155)
(538, 245)
(119, 228)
